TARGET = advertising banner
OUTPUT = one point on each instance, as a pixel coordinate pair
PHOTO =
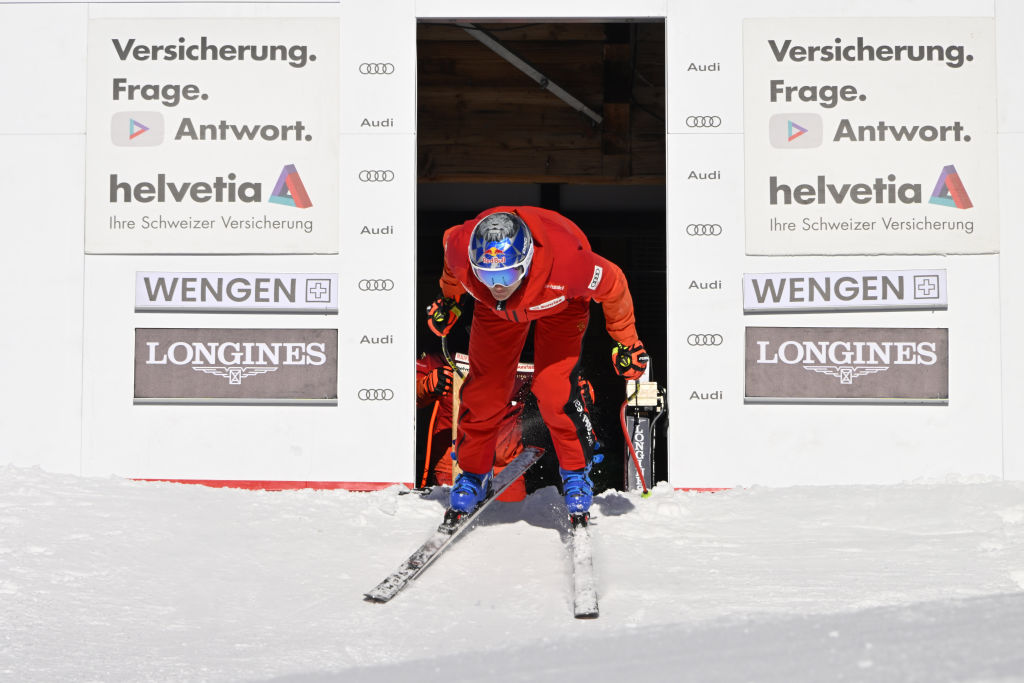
(844, 290)
(640, 430)
(870, 136)
(236, 366)
(846, 365)
(212, 136)
(237, 292)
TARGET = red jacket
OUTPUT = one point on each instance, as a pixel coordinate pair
(564, 267)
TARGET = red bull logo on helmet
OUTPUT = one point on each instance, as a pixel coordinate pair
(495, 253)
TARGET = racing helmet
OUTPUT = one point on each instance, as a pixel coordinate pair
(500, 249)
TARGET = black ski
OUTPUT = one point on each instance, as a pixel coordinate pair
(451, 527)
(584, 583)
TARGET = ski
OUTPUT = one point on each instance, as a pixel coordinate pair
(584, 583)
(451, 527)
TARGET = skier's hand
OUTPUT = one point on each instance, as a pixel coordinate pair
(586, 393)
(630, 361)
(442, 315)
(437, 382)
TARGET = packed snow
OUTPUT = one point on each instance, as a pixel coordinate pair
(115, 580)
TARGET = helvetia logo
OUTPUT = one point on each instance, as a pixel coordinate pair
(795, 130)
(289, 189)
(137, 129)
(949, 190)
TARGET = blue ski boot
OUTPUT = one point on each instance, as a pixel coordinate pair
(578, 489)
(468, 491)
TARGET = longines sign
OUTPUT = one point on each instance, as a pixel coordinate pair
(237, 292)
(844, 290)
(846, 365)
(236, 366)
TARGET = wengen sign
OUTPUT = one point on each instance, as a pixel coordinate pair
(845, 290)
(237, 292)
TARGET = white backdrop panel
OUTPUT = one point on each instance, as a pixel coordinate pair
(715, 441)
(276, 443)
(705, 245)
(726, 443)
(378, 187)
(378, 237)
(357, 440)
(721, 441)
(378, 67)
(42, 48)
(160, 10)
(701, 34)
(379, 430)
(185, 441)
(41, 261)
(1010, 57)
(1011, 171)
(705, 223)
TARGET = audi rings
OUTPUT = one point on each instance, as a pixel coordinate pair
(384, 176)
(703, 229)
(375, 394)
(376, 285)
(703, 121)
(704, 340)
(376, 68)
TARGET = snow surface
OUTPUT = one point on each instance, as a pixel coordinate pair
(113, 580)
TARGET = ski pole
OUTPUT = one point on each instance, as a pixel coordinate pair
(629, 442)
(430, 439)
(448, 356)
(456, 388)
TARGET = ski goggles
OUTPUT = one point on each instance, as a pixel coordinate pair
(506, 277)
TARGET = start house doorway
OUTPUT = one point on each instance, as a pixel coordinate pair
(570, 117)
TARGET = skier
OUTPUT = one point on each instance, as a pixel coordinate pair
(434, 386)
(527, 265)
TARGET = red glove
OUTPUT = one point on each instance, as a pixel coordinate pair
(437, 382)
(630, 361)
(443, 314)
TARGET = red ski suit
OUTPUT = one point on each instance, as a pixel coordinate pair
(509, 442)
(564, 276)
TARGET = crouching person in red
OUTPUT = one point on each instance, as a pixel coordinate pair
(529, 266)
(434, 381)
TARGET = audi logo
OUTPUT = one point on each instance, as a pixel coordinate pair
(704, 340)
(376, 176)
(703, 229)
(375, 394)
(703, 121)
(376, 68)
(376, 285)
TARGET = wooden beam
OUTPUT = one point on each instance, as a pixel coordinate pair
(531, 178)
